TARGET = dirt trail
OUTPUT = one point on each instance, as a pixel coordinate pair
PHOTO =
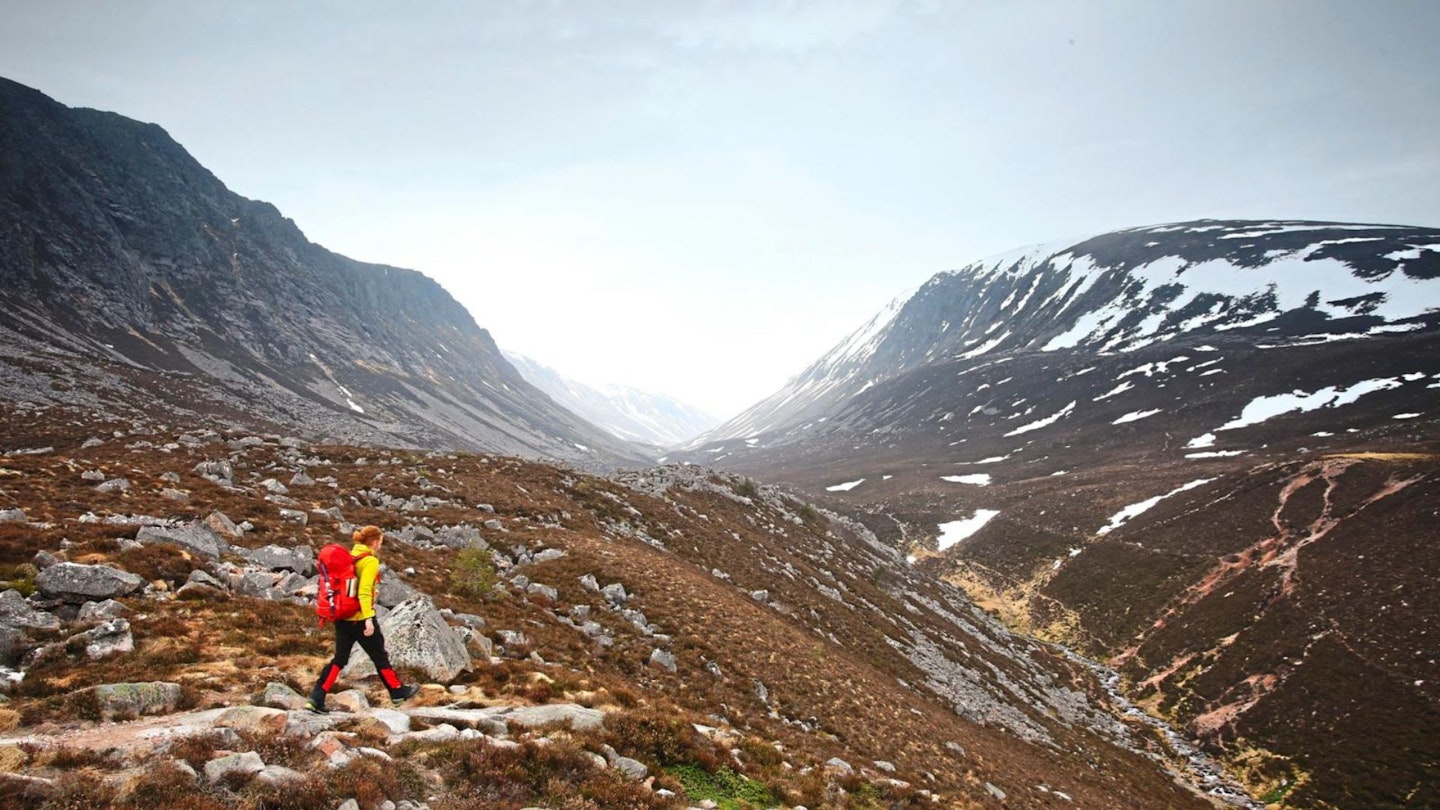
(132, 735)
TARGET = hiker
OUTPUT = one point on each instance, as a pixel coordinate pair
(362, 626)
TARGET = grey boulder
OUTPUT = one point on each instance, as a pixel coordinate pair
(300, 559)
(111, 638)
(16, 611)
(134, 699)
(77, 584)
(417, 636)
(196, 538)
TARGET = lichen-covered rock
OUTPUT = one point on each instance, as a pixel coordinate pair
(135, 699)
(417, 636)
(16, 611)
(295, 516)
(197, 538)
(281, 696)
(351, 700)
(219, 768)
(220, 471)
(254, 719)
(300, 559)
(460, 537)
(77, 584)
(663, 659)
(222, 525)
(111, 638)
(11, 644)
(393, 592)
(615, 594)
(397, 722)
(102, 611)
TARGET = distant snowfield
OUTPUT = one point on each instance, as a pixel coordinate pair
(978, 479)
(845, 487)
(957, 530)
(1135, 509)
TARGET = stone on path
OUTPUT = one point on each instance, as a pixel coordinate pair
(135, 699)
(248, 762)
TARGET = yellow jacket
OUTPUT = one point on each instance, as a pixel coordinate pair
(367, 570)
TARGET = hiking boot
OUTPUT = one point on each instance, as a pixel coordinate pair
(403, 694)
(317, 707)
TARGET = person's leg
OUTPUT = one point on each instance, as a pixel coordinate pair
(345, 635)
(374, 646)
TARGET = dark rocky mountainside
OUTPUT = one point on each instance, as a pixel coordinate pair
(134, 280)
(1205, 453)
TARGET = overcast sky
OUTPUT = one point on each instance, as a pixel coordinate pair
(701, 198)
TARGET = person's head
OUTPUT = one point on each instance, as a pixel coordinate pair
(370, 536)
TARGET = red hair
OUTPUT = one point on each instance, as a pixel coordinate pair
(368, 535)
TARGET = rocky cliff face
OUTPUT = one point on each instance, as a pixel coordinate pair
(1185, 450)
(135, 281)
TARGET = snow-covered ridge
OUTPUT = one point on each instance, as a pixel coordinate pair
(1288, 281)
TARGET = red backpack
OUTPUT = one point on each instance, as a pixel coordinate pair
(339, 595)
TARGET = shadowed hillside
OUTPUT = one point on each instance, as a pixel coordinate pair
(131, 273)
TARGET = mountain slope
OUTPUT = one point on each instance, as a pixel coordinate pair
(135, 281)
(719, 626)
(1125, 290)
(627, 413)
(1203, 452)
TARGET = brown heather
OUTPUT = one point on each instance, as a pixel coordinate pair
(836, 687)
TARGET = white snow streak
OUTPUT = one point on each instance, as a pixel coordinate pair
(1135, 416)
(1135, 509)
(1263, 408)
(1046, 422)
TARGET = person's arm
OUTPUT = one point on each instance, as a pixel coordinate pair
(367, 569)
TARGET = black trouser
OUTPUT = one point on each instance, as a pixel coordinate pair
(346, 634)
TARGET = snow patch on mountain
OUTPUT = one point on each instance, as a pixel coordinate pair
(1264, 408)
(957, 530)
(1136, 509)
(974, 479)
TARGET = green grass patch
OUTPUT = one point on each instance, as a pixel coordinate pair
(729, 790)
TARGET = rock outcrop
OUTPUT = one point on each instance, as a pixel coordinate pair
(417, 636)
